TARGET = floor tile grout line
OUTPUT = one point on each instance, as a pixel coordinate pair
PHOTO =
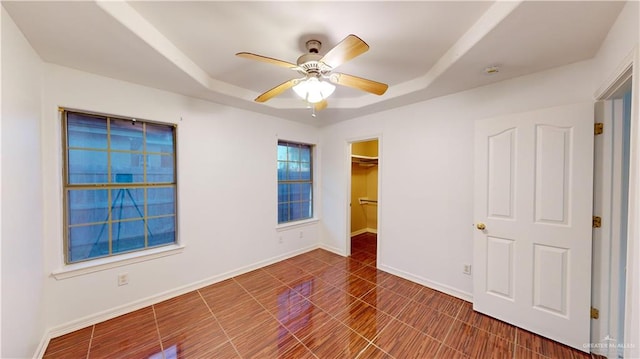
(442, 344)
(332, 317)
(363, 350)
(427, 334)
(221, 327)
(486, 331)
(274, 317)
(402, 322)
(382, 350)
(155, 320)
(93, 329)
(444, 340)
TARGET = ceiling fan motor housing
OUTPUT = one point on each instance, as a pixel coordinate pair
(309, 63)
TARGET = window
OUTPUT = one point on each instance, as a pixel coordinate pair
(119, 185)
(295, 182)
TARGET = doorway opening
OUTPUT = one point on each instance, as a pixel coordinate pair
(611, 203)
(363, 216)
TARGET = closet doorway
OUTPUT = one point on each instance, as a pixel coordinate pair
(364, 201)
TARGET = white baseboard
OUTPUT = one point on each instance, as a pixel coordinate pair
(364, 230)
(428, 283)
(157, 298)
(42, 347)
(359, 231)
(335, 250)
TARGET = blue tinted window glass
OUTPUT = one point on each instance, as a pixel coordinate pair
(306, 190)
(86, 166)
(127, 203)
(294, 153)
(160, 169)
(296, 211)
(86, 131)
(161, 201)
(126, 135)
(127, 167)
(305, 171)
(305, 154)
(282, 170)
(88, 206)
(127, 236)
(159, 138)
(304, 209)
(88, 242)
(161, 231)
(293, 171)
(283, 212)
(283, 192)
(282, 152)
(296, 193)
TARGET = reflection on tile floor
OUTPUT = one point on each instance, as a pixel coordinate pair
(315, 305)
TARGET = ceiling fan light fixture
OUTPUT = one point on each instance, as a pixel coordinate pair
(313, 90)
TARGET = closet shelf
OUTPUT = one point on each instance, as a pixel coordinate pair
(364, 160)
(367, 201)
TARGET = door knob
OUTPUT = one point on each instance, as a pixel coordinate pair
(481, 226)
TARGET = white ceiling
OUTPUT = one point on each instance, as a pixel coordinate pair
(422, 49)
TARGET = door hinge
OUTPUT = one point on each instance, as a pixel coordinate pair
(598, 128)
(597, 222)
(595, 313)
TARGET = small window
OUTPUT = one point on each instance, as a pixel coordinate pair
(119, 185)
(295, 182)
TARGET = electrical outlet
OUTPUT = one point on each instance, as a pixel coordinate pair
(280, 240)
(301, 234)
(466, 269)
(123, 279)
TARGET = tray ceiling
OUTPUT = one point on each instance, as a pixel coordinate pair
(422, 49)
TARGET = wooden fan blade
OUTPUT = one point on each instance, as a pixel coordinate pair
(276, 90)
(359, 83)
(319, 106)
(346, 50)
(250, 56)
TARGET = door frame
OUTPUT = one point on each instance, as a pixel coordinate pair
(628, 67)
(348, 142)
(610, 165)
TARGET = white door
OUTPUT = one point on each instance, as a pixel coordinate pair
(533, 194)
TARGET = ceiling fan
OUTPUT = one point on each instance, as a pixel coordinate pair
(317, 71)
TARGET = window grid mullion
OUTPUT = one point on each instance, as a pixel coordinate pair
(109, 191)
(145, 221)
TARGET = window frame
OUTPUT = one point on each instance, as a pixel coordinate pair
(110, 186)
(311, 182)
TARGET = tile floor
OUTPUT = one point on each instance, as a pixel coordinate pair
(315, 305)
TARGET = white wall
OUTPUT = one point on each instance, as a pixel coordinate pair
(620, 42)
(227, 195)
(22, 232)
(426, 173)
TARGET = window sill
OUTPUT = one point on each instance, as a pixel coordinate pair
(78, 269)
(296, 224)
